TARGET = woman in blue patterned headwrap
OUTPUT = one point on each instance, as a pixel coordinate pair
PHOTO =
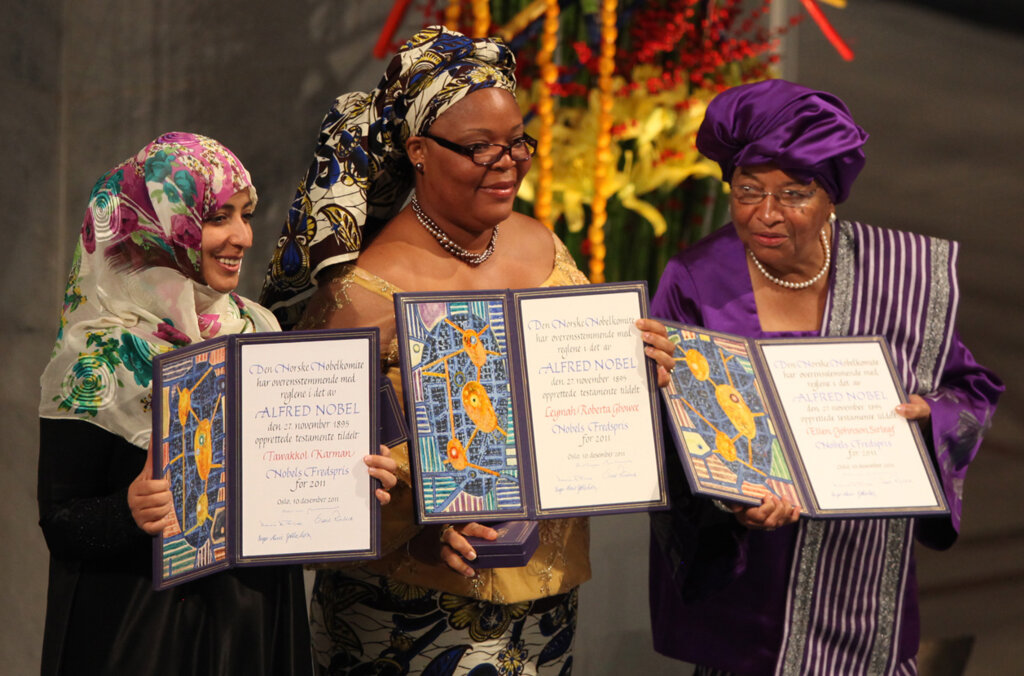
(442, 121)
(361, 174)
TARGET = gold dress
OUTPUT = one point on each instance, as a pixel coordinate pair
(560, 564)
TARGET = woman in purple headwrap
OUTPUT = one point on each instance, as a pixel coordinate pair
(759, 590)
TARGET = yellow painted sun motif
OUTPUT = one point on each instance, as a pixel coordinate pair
(457, 458)
(730, 400)
(697, 363)
(456, 455)
(736, 409)
(475, 400)
(478, 406)
(724, 446)
(202, 508)
(203, 448)
(184, 404)
(473, 346)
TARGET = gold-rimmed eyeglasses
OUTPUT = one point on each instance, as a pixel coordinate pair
(749, 195)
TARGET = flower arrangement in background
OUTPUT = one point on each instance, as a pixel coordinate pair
(614, 91)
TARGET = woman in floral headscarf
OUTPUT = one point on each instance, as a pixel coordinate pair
(155, 268)
(444, 121)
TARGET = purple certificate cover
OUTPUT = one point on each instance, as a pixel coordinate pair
(393, 430)
(516, 543)
(455, 372)
(805, 419)
(483, 449)
(190, 450)
(289, 414)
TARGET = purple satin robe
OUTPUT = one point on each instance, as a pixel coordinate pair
(728, 598)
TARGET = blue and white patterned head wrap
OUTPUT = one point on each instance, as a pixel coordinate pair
(360, 175)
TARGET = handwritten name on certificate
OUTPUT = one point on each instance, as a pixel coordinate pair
(839, 401)
(590, 402)
(305, 429)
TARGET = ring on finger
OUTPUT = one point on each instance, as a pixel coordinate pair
(444, 531)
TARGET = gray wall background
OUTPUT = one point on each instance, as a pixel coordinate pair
(87, 83)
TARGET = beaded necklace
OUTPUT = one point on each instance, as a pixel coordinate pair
(446, 242)
(797, 285)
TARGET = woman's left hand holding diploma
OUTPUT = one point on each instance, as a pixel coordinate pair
(915, 409)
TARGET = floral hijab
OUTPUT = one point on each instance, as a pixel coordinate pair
(136, 289)
(360, 175)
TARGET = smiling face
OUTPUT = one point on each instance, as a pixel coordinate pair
(785, 239)
(227, 233)
(452, 188)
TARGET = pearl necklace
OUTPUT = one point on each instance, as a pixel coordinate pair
(797, 285)
(445, 241)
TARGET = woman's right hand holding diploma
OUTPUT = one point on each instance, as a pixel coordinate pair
(772, 513)
(658, 347)
(382, 467)
(150, 499)
(455, 548)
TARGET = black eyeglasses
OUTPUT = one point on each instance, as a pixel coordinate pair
(486, 154)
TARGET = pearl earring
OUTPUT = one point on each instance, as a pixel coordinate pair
(832, 218)
(419, 167)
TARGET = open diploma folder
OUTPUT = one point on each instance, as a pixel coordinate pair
(807, 419)
(262, 437)
(530, 404)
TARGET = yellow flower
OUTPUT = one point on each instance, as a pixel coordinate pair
(484, 620)
(653, 149)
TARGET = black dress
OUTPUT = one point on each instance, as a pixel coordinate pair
(102, 614)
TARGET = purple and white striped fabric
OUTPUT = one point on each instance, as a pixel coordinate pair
(899, 285)
(847, 584)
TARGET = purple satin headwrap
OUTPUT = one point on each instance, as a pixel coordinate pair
(806, 133)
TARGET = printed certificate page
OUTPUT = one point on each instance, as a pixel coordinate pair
(838, 399)
(590, 400)
(305, 421)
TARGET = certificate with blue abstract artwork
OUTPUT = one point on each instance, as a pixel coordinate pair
(467, 457)
(504, 417)
(261, 437)
(809, 420)
(191, 455)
